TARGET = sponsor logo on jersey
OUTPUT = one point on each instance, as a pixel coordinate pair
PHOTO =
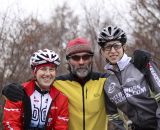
(154, 74)
(128, 92)
(111, 87)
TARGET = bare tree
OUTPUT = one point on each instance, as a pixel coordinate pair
(146, 14)
(63, 27)
(95, 20)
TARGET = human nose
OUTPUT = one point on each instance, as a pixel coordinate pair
(81, 61)
(47, 71)
(112, 49)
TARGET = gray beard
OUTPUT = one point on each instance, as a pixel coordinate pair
(81, 72)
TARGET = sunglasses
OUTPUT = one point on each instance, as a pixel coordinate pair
(116, 46)
(83, 57)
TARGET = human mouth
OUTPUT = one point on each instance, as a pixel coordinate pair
(46, 79)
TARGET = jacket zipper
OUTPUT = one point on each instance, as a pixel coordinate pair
(83, 101)
(86, 92)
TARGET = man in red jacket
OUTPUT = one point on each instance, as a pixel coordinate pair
(43, 107)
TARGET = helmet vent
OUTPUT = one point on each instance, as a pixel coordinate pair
(109, 30)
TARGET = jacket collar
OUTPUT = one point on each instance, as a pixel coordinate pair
(125, 60)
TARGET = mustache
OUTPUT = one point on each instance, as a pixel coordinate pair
(83, 67)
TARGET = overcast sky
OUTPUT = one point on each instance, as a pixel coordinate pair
(43, 8)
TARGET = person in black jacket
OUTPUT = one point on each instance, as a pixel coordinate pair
(131, 82)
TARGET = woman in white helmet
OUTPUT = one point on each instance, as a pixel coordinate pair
(43, 106)
(130, 82)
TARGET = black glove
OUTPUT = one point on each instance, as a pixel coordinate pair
(140, 59)
(13, 92)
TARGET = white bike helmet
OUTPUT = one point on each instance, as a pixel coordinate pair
(111, 33)
(44, 56)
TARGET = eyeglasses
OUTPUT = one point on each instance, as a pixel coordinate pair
(83, 57)
(116, 46)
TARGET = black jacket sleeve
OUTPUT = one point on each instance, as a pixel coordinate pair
(140, 59)
(13, 92)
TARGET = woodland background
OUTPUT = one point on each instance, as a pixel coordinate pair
(20, 37)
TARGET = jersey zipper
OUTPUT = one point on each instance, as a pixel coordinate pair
(40, 111)
(53, 100)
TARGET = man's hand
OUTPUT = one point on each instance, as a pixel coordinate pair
(140, 59)
(13, 92)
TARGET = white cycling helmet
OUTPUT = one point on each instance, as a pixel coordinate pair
(44, 56)
(111, 33)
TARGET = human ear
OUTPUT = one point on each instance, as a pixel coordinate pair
(124, 47)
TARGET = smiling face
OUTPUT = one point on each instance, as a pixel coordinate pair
(45, 76)
(113, 51)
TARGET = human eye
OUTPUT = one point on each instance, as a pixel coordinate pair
(43, 69)
(86, 57)
(116, 46)
(52, 69)
(75, 57)
(107, 48)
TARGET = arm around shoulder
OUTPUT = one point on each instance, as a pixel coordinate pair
(13, 92)
(140, 59)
